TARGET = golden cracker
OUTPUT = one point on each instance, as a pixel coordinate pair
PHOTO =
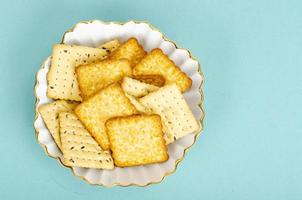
(136, 140)
(96, 76)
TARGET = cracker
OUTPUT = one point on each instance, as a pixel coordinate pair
(156, 62)
(136, 140)
(49, 113)
(136, 88)
(153, 79)
(110, 46)
(95, 111)
(130, 50)
(94, 77)
(168, 102)
(78, 147)
(62, 83)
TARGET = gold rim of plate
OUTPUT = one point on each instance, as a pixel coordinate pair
(200, 104)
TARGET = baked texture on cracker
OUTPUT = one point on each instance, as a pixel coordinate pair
(96, 76)
(78, 147)
(139, 107)
(62, 83)
(137, 88)
(156, 62)
(177, 118)
(130, 50)
(50, 112)
(96, 110)
(136, 140)
(153, 79)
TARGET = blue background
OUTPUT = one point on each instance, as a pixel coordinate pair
(251, 55)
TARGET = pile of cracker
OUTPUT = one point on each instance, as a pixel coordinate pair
(115, 105)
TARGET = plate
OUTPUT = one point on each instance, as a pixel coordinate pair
(93, 33)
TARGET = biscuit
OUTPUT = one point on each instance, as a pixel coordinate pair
(136, 140)
(110, 46)
(96, 76)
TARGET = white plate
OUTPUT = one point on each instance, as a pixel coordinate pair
(93, 33)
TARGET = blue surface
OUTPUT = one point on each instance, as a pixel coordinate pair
(251, 54)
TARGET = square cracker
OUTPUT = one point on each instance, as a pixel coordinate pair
(136, 88)
(136, 140)
(50, 112)
(78, 147)
(96, 76)
(107, 103)
(62, 83)
(177, 118)
(156, 62)
(130, 50)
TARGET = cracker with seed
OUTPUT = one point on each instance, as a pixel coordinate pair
(62, 83)
(96, 110)
(110, 46)
(156, 62)
(78, 147)
(153, 79)
(130, 50)
(136, 140)
(168, 102)
(96, 76)
(49, 113)
(136, 88)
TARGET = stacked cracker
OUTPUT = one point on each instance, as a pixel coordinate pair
(129, 104)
